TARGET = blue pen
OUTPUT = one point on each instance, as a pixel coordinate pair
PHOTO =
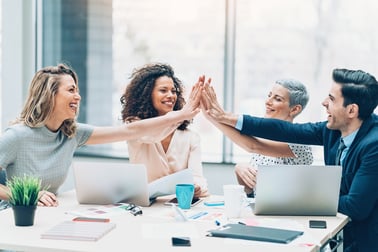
(198, 215)
(214, 203)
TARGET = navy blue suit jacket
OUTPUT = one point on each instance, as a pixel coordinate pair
(359, 183)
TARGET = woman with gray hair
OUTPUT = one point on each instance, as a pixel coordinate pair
(286, 100)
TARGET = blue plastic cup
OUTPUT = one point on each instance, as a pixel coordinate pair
(184, 195)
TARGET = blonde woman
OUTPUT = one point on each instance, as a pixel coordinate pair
(43, 139)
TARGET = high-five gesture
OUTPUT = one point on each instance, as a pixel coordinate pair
(211, 107)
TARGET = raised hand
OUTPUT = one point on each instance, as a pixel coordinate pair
(196, 92)
(191, 107)
(209, 103)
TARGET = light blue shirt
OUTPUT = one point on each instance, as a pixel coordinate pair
(40, 152)
(239, 122)
(348, 140)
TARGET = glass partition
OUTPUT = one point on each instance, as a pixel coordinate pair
(244, 45)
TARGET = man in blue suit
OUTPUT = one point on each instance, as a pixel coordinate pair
(350, 106)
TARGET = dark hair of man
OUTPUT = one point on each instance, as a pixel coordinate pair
(358, 87)
(136, 101)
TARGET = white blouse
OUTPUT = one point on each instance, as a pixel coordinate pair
(184, 151)
(303, 155)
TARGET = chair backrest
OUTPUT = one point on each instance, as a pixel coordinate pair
(3, 177)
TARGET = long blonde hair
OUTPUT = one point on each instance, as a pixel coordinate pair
(40, 100)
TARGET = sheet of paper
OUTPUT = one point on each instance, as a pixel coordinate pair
(167, 184)
(101, 211)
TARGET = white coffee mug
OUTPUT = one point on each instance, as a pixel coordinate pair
(234, 198)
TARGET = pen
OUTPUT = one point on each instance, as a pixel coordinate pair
(78, 214)
(179, 212)
(198, 215)
(214, 203)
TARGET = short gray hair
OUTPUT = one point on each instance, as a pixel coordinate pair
(297, 92)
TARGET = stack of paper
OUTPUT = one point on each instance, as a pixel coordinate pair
(77, 230)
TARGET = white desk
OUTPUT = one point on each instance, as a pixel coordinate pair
(153, 230)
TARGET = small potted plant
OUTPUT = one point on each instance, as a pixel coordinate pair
(23, 197)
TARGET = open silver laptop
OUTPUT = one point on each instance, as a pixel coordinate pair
(108, 183)
(297, 190)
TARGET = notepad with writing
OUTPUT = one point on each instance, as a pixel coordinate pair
(256, 233)
(81, 231)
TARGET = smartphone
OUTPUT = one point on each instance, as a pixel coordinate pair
(181, 241)
(318, 224)
(88, 219)
(195, 201)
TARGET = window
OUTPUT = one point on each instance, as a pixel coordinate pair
(104, 41)
(304, 40)
(244, 45)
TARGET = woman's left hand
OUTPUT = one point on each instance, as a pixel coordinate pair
(48, 199)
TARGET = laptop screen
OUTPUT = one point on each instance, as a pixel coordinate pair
(111, 182)
(297, 190)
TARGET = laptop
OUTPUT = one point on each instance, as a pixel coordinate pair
(103, 183)
(297, 190)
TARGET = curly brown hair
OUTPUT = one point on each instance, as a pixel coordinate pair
(136, 100)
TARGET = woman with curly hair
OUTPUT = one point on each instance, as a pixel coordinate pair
(42, 141)
(154, 91)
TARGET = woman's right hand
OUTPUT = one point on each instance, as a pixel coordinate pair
(246, 175)
(191, 108)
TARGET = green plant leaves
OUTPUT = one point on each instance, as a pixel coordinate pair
(24, 190)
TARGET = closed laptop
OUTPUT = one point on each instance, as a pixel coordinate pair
(255, 233)
(297, 190)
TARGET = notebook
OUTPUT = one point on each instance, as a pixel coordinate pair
(104, 183)
(256, 233)
(80, 231)
(297, 190)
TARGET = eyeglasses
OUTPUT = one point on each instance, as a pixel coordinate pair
(134, 209)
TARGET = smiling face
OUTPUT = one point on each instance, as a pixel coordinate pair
(67, 100)
(164, 95)
(277, 104)
(337, 113)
